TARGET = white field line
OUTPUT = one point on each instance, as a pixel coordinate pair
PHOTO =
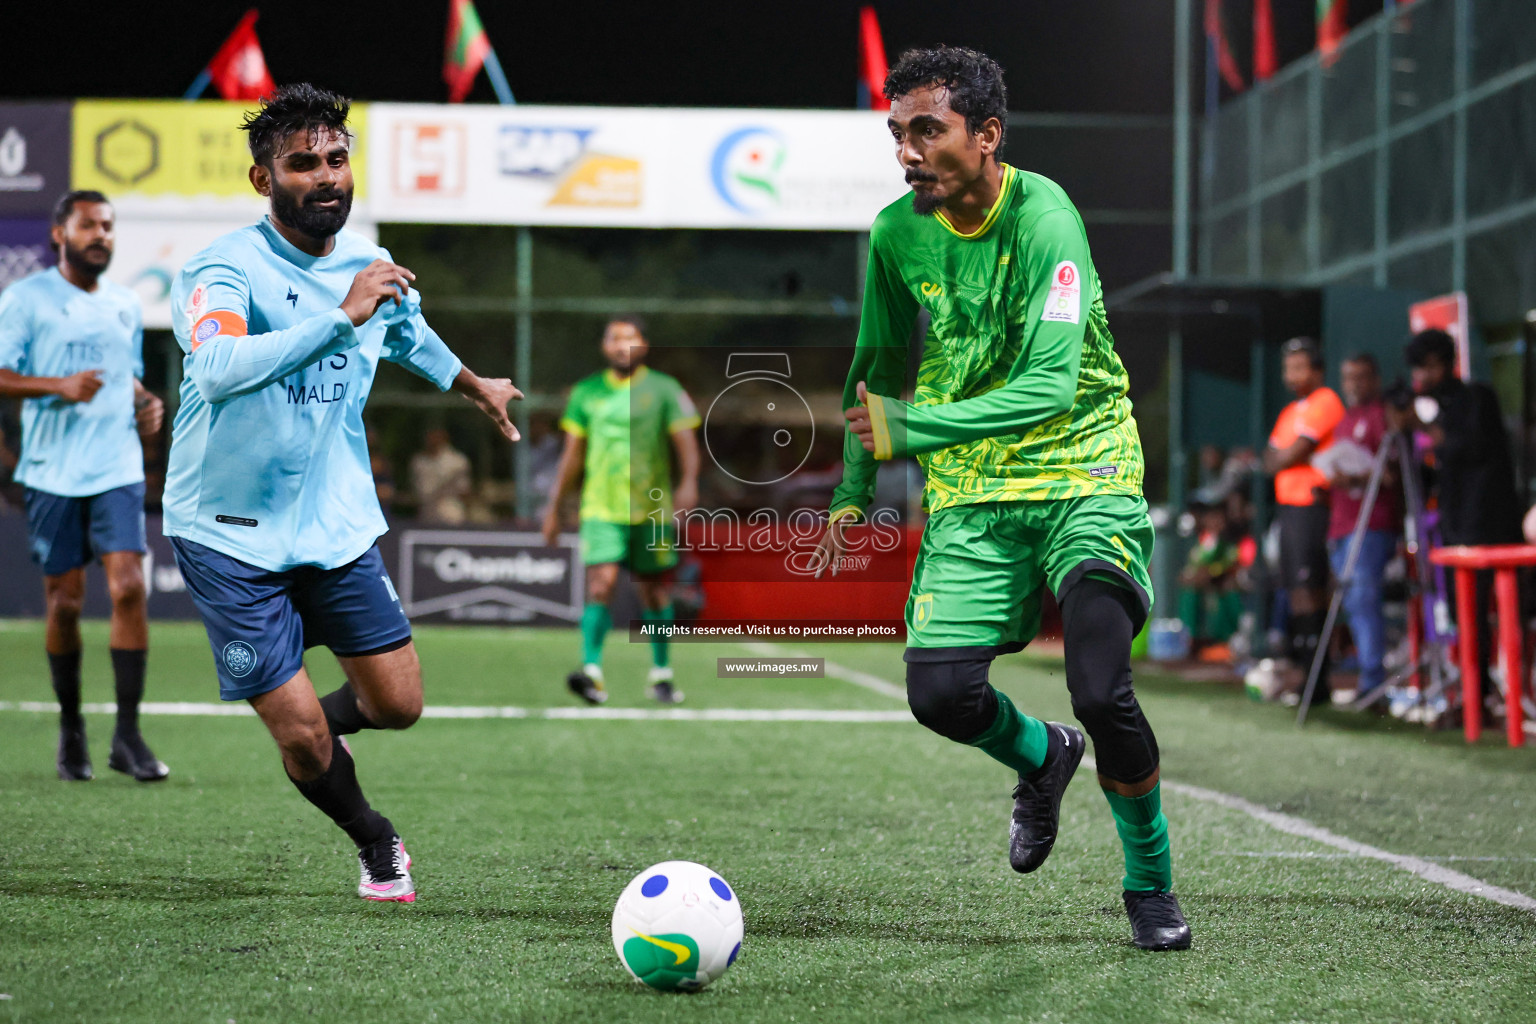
(1316, 855)
(1289, 824)
(850, 675)
(1420, 866)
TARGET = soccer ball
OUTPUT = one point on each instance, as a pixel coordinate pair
(677, 926)
(1264, 681)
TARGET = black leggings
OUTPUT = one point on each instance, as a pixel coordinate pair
(954, 699)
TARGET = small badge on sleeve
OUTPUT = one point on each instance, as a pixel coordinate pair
(1064, 301)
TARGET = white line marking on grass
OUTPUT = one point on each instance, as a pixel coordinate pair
(551, 714)
(1291, 825)
(848, 675)
(1315, 855)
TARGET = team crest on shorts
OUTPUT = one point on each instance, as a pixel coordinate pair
(239, 658)
(922, 610)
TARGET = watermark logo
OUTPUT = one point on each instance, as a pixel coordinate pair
(759, 393)
(746, 169)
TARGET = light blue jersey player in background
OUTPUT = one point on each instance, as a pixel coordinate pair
(269, 499)
(72, 347)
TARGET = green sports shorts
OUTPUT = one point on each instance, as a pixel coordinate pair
(980, 568)
(636, 546)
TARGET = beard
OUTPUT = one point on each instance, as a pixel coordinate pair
(303, 216)
(924, 203)
(90, 261)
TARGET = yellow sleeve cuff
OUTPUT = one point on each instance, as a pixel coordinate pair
(881, 427)
(572, 427)
(686, 423)
(846, 512)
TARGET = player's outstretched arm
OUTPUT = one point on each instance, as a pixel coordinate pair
(491, 395)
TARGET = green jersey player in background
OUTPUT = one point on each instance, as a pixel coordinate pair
(623, 426)
(1034, 470)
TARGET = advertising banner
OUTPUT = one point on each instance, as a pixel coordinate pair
(469, 576)
(150, 252)
(25, 248)
(630, 167)
(175, 159)
(34, 157)
(1449, 314)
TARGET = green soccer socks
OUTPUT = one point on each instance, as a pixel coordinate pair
(1015, 739)
(1144, 833)
(595, 621)
(660, 656)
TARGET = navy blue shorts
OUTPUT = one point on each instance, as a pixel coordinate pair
(66, 533)
(260, 622)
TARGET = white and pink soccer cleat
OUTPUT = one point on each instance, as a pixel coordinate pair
(386, 872)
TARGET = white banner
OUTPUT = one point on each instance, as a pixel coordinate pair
(150, 252)
(630, 167)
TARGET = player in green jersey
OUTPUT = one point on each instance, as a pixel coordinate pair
(622, 427)
(1022, 425)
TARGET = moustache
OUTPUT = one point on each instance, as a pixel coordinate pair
(324, 197)
(914, 176)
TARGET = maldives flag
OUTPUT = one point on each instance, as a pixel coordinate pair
(1332, 27)
(872, 66)
(238, 70)
(1264, 61)
(467, 46)
(1216, 34)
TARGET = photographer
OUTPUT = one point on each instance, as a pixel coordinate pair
(1476, 476)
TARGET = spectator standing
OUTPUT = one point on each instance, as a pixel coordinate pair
(440, 475)
(1475, 475)
(1304, 428)
(1364, 426)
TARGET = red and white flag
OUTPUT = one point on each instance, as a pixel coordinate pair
(238, 70)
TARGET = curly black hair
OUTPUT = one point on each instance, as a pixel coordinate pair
(1433, 343)
(973, 80)
(294, 108)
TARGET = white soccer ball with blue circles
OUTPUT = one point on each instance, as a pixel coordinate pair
(677, 926)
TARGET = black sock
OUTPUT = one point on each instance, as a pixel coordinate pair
(337, 794)
(65, 670)
(342, 713)
(128, 682)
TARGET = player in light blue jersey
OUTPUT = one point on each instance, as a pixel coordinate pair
(72, 347)
(269, 499)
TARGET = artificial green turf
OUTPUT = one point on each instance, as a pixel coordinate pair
(870, 860)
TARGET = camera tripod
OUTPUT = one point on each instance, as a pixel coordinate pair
(1433, 656)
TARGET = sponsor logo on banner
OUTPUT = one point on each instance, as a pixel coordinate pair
(429, 160)
(636, 167)
(34, 157)
(746, 168)
(470, 576)
(13, 164)
(559, 155)
(1064, 301)
(153, 155)
(24, 249)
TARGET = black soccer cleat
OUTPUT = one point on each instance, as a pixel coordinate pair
(74, 759)
(132, 756)
(1037, 801)
(587, 688)
(1156, 921)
